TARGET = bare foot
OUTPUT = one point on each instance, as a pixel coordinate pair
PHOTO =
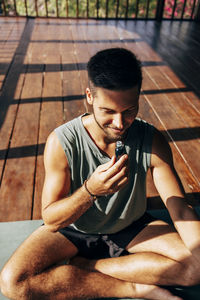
(153, 292)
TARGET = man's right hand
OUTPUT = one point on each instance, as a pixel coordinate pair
(109, 177)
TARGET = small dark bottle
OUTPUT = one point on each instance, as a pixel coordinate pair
(119, 149)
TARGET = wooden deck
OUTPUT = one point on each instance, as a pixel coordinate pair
(43, 79)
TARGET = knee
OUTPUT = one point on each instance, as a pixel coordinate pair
(7, 282)
(10, 286)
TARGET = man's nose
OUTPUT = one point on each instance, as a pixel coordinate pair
(118, 121)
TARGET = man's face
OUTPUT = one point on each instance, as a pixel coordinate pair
(115, 111)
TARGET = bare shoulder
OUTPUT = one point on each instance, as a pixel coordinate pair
(57, 174)
(164, 175)
(161, 151)
(54, 154)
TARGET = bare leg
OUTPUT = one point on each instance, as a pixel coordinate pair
(160, 258)
(150, 268)
(70, 282)
(30, 274)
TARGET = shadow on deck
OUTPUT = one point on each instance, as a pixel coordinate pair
(43, 79)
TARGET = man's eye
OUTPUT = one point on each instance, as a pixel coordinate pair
(108, 111)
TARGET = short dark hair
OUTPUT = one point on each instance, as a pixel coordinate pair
(114, 69)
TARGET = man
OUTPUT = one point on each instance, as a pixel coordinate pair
(94, 206)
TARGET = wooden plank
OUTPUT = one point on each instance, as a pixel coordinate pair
(82, 55)
(17, 184)
(176, 97)
(105, 34)
(64, 46)
(51, 115)
(86, 43)
(81, 36)
(171, 77)
(8, 60)
(5, 58)
(189, 181)
(186, 64)
(173, 123)
(38, 59)
(95, 37)
(7, 126)
(177, 42)
(189, 95)
(155, 80)
(11, 89)
(72, 88)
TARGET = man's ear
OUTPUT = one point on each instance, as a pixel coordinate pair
(89, 96)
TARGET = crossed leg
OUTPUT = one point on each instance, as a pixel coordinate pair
(34, 272)
(157, 256)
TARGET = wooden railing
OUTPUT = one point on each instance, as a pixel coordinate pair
(103, 9)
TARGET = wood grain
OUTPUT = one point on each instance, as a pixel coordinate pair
(42, 85)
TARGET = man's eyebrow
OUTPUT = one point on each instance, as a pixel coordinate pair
(106, 108)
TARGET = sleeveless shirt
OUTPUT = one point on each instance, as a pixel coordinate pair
(109, 213)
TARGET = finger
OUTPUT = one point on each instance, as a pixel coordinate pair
(117, 185)
(121, 175)
(122, 160)
(122, 183)
(116, 167)
(108, 165)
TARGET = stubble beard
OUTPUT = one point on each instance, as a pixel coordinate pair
(109, 138)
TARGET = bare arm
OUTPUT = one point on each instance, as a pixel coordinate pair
(58, 208)
(172, 193)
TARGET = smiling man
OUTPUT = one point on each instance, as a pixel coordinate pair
(94, 206)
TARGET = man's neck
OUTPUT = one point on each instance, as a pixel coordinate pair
(98, 136)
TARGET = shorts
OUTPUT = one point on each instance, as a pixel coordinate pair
(96, 246)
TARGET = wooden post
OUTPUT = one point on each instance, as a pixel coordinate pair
(57, 9)
(26, 7)
(174, 8)
(107, 9)
(127, 7)
(3, 6)
(136, 9)
(67, 9)
(77, 9)
(147, 9)
(36, 8)
(46, 8)
(97, 5)
(87, 9)
(197, 14)
(117, 10)
(160, 9)
(183, 9)
(15, 7)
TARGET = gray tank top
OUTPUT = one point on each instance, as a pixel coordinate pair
(110, 213)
